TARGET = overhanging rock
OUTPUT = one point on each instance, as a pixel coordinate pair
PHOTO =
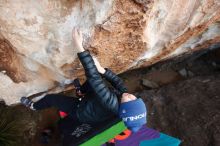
(36, 50)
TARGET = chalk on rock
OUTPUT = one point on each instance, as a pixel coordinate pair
(68, 81)
(149, 84)
(65, 82)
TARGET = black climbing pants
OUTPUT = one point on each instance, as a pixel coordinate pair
(61, 102)
(66, 104)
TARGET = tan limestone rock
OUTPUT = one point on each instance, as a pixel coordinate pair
(36, 50)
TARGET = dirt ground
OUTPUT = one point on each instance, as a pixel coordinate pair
(182, 96)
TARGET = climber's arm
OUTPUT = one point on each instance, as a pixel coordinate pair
(116, 82)
(107, 98)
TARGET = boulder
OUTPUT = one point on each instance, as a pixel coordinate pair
(37, 54)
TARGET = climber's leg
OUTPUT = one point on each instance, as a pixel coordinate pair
(61, 102)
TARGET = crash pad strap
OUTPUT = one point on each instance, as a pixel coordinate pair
(105, 135)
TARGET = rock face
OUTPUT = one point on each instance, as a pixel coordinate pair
(36, 51)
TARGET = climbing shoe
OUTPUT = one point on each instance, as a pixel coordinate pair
(26, 102)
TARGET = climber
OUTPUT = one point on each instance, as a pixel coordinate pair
(99, 103)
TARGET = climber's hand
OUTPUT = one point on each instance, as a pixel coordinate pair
(78, 39)
(100, 69)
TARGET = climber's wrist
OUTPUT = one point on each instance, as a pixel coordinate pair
(80, 48)
(102, 70)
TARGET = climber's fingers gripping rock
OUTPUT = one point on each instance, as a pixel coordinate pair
(77, 39)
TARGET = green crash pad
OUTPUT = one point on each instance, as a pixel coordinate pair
(106, 135)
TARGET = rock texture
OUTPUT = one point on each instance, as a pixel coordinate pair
(37, 54)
